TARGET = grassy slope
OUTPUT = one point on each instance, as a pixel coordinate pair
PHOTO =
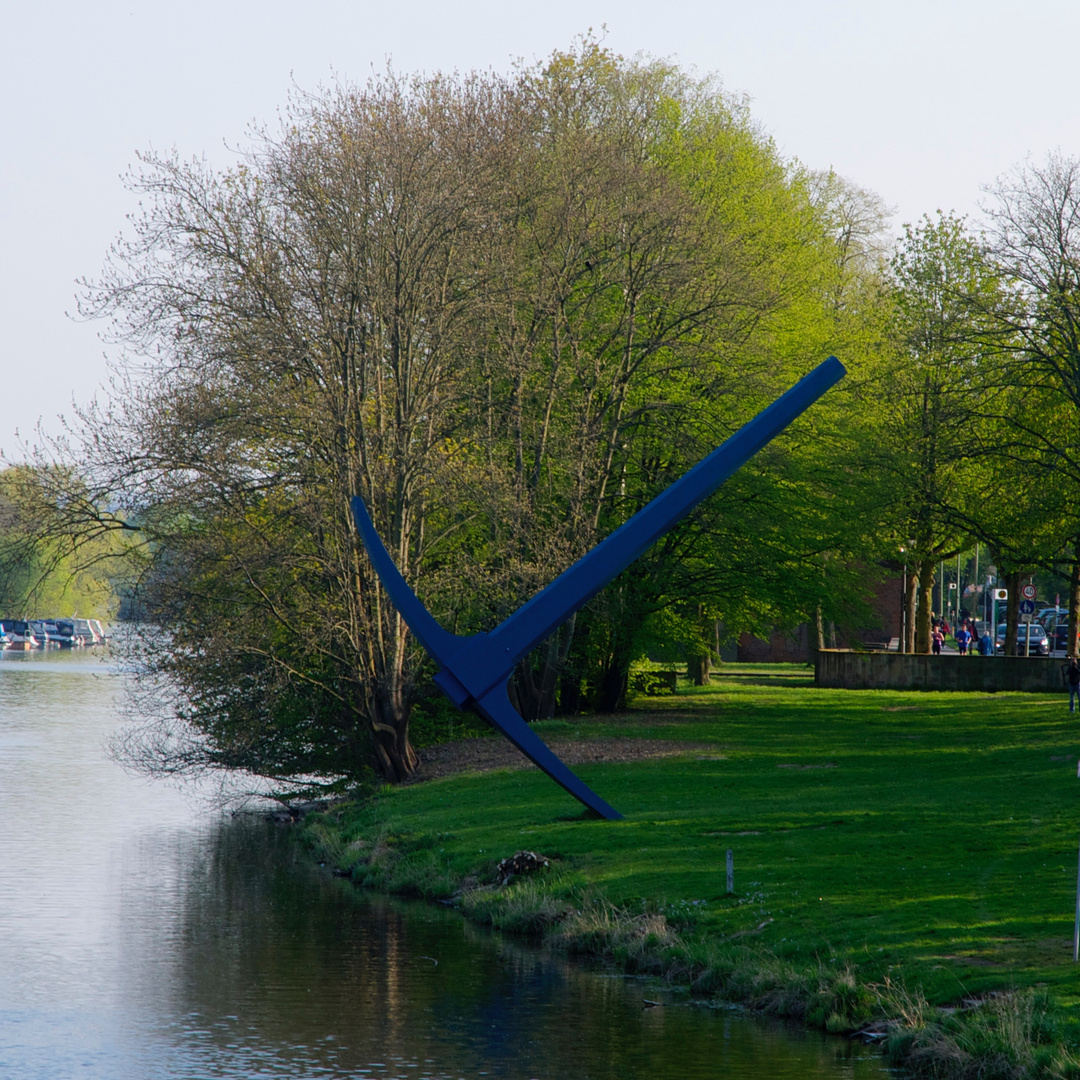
(931, 836)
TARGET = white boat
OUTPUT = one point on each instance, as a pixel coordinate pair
(18, 633)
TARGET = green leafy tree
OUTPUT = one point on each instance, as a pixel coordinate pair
(1035, 237)
(293, 336)
(665, 277)
(43, 573)
(506, 312)
(929, 429)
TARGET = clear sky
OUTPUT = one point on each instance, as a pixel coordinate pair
(923, 102)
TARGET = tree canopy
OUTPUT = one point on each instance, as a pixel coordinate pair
(507, 311)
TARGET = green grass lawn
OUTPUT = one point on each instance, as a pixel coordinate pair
(924, 837)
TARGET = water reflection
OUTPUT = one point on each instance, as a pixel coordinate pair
(142, 939)
(288, 971)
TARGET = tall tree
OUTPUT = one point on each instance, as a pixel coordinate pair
(934, 396)
(294, 336)
(1035, 236)
(506, 312)
(658, 260)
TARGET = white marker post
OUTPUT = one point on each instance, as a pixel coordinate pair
(1076, 923)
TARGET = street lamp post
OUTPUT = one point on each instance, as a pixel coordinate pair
(903, 606)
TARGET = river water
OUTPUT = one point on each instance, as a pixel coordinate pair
(145, 936)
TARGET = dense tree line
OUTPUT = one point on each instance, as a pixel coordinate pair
(48, 571)
(507, 311)
(985, 388)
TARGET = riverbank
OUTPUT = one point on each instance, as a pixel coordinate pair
(905, 863)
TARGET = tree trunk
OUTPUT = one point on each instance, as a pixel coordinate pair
(395, 757)
(613, 684)
(697, 668)
(1012, 612)
(911, 585)
(532, 688)
(698, 662)
(926, 600)
(1074, 599)
(569, 693)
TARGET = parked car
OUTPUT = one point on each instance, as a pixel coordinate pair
(1051, 616)
(1040, 643)
(1059, 637)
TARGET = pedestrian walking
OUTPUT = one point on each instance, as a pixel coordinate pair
(938, 640)
(1072, 678)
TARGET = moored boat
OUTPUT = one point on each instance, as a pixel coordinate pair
(18, 633)
(67, 635)
(46, 633)
(84, 628)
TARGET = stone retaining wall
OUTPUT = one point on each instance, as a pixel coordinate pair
(842, 669)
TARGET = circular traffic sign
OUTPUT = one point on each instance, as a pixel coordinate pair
(1027, 607)
(1028, 592)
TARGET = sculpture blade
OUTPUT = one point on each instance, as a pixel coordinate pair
(495, 707)
(475, 669)
(439, 643)
(482, 664)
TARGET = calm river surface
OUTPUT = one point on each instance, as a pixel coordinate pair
(142, 936)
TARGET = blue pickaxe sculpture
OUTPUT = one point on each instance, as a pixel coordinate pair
(475, 670)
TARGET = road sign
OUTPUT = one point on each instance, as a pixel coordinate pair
(1027, 609)
(1028, 592)
(1001, 594)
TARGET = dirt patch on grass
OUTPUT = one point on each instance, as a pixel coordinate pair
(483, 755)
(647, 718)
(970, 960)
